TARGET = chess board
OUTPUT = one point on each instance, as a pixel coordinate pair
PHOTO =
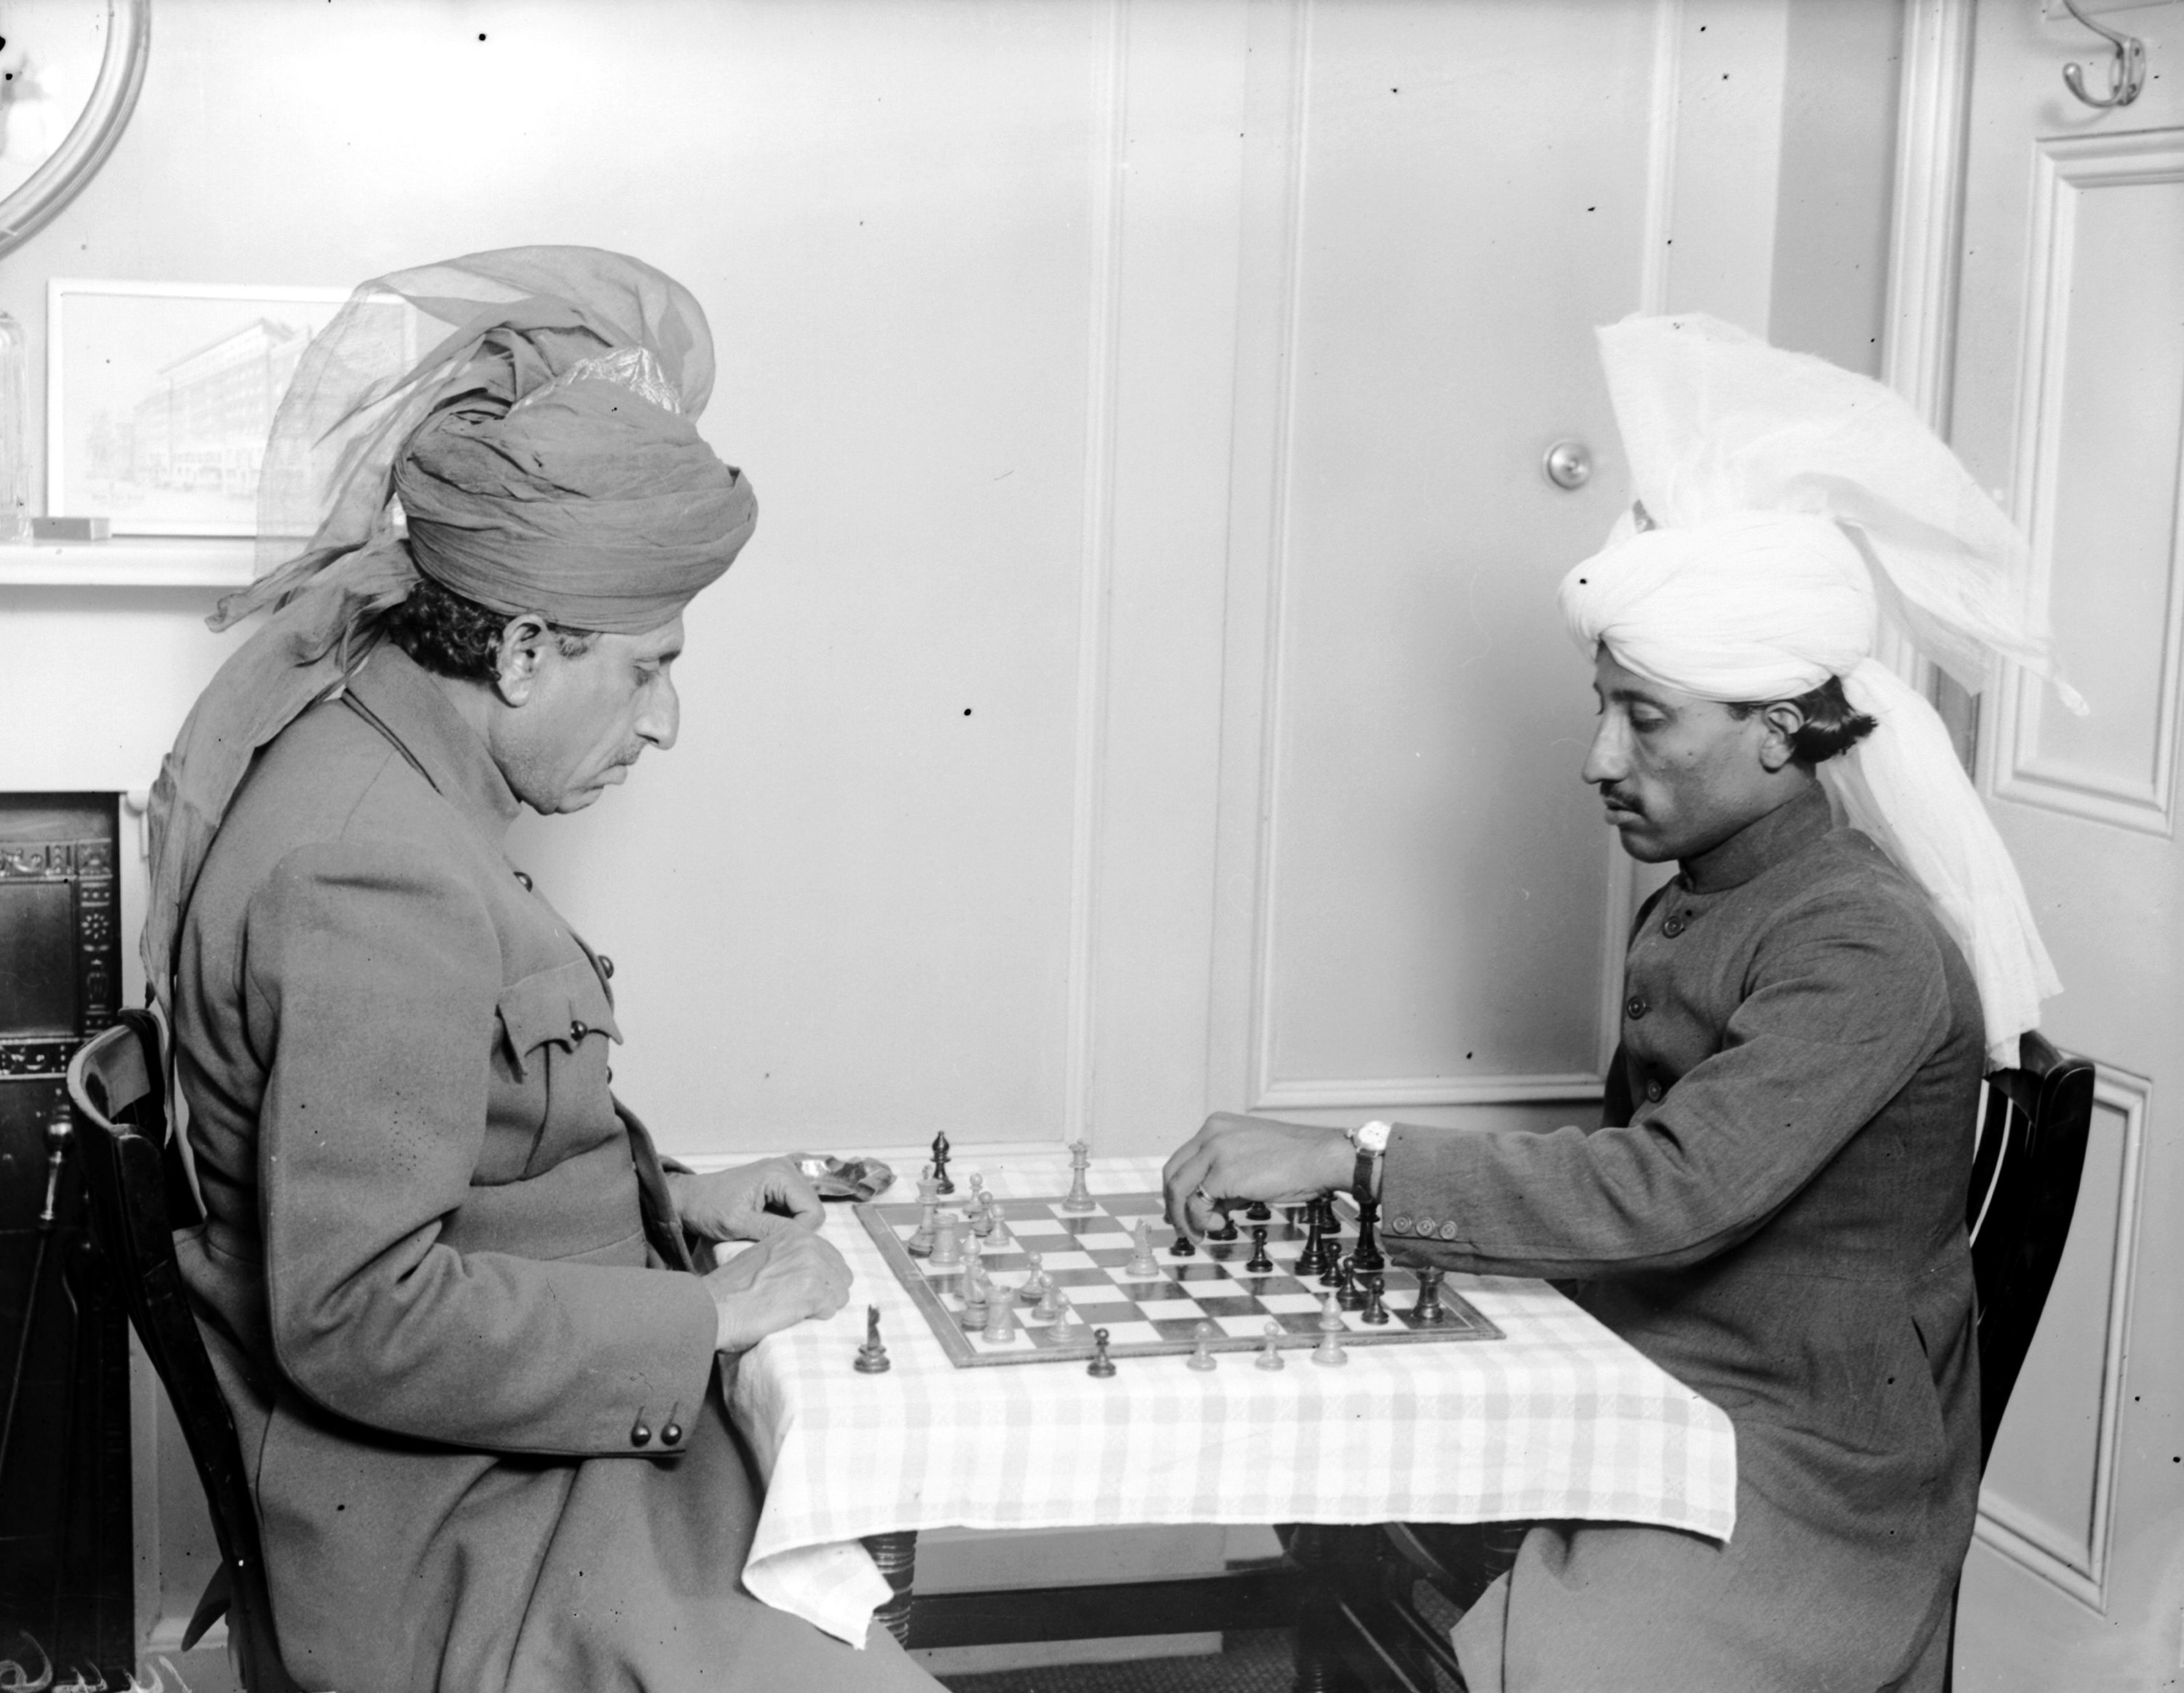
(1088, 1253)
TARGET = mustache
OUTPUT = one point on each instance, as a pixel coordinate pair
(1616, 796)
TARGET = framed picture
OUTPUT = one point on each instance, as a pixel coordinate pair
(159, 397)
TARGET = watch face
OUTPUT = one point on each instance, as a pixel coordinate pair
(1373, 1137)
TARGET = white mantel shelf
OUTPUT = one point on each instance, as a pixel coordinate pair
(134, 562)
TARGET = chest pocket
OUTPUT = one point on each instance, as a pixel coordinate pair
(566, 1006)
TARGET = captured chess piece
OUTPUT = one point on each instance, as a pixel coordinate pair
(1270, 1357)
(1259, 1264)
(872, 1357)
(1143, 1266)
(1079, 1196)
(1427, 1313)
(1101, 1364)
(1201, 1355)
(941, 1184)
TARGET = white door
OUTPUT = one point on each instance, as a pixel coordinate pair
(2069, 395)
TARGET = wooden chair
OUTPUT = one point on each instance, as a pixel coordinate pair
(2032, 1127)
(138, 1190)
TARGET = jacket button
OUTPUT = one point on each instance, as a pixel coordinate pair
(606, 967)
(639, 1434)
(1636, 1007)
(1654, 1088)
(1674, 927)
(578, 1030)
(671, 1435)
(1448, 1231)
(524, 880)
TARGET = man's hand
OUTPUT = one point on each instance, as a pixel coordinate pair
(788, 1276)
(750, 1203)
(1236, 1158)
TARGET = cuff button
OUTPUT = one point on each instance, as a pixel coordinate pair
(1448, 1231)
(672, 1436)
(639, 1434)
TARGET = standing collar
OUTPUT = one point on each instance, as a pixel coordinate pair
(409, 704)
(1761, 844)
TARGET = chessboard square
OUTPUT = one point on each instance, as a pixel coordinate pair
(1134, 1205)
(1016, 1343)
(1241, 1327)
(1174, 1310)
(1034, 1211)
(1287, 1304)
(1262, 1287)
(1298, 1322)
(1088, 1222)
(1006, 1261)
(1090, 1275)
(1157, 1292)
(1226, 1304)
(1097, 1312)
(1043, 1228)
(1066, 1261)
(1190, 1270)
(1131, 1334)
(1172, 1328)
(1102, 1232)
(1113, 1258)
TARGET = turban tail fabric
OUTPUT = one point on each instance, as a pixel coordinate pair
(1788, 506)
(515, 425)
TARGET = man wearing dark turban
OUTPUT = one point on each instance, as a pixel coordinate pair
(447, 1283)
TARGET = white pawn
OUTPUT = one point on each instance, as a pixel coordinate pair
(1034, 1284)
(1329, 1350)
(1201, 1355)
(1330, 1316)
(1269, 1358)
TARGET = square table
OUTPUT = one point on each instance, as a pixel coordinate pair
(1559, 1419)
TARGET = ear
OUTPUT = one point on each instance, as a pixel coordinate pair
(518, 654)
(1778, 745)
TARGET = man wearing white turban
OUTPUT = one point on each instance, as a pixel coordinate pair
(1773, 1209)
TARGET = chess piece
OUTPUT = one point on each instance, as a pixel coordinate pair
(1312, 1259)
(978, 1298)
(1182, 1247)
(1227, 1229)
(1269, 1358)
(1376, 1301)
(1331, 1274)
(1033, 1284)
(1330, 1315)
(1101, 1364)
(872, 1357)
(1079, 1196)
(941, 1184)
(920, 1243)
(1351, 1295)
(982, 1215)
(1428, 1313)
(948, 1242)
(1259, 1264)
(1048, 1308)
(1258, 1212)
(1329, 1350)
(1371, 1259)
(1000, 1318)
(1201, 1355)
(1143, 1266)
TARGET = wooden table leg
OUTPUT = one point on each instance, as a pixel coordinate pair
(896, 1555)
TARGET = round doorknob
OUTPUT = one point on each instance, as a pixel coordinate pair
(1569, 463)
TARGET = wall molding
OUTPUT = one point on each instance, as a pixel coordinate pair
(2064, 169)
(2080, 1566)
(1373, 1093)
(1103, 382)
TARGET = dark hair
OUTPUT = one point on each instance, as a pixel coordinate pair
(1831, 724)
(455, 637)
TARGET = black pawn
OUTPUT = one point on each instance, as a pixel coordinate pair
(1258, 1212)
(1349, 1293)
(1227, 1229)
(1101, 1364)
(1331, 1272)
(941, 1182)
(1182, 1247)
(1376, 1304)
(1259, 1264)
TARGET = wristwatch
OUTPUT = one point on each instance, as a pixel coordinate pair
(1371, 1141)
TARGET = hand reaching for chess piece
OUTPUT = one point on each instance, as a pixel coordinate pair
(1241, 1158)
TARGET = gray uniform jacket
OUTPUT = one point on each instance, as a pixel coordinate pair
(440, 1273)
(1772, 1212)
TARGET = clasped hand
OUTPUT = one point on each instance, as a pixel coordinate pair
(790, 1273)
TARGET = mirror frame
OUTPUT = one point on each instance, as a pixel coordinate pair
(54, 183)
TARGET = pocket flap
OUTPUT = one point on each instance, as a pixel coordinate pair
(564, 1005)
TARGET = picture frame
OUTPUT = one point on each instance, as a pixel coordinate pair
(159, 397)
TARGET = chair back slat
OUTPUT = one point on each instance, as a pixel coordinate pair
(116, 1082)
(2033, 1127)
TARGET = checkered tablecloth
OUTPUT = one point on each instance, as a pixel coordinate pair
(1560, 1419)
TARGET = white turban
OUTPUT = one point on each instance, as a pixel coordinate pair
(1795, 504)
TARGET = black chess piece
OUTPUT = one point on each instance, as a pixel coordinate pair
(1376, 1301)
(1427, 1313)
(1182, 1247)
(1312, 1259)
(1101, 1364)
(941, 1181)
(1258, 1212)
(872, 1357)
(1227, 1229)
(1259, 1264)
(1332, 1274)
(1371, 1259)
(1350, 1292)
